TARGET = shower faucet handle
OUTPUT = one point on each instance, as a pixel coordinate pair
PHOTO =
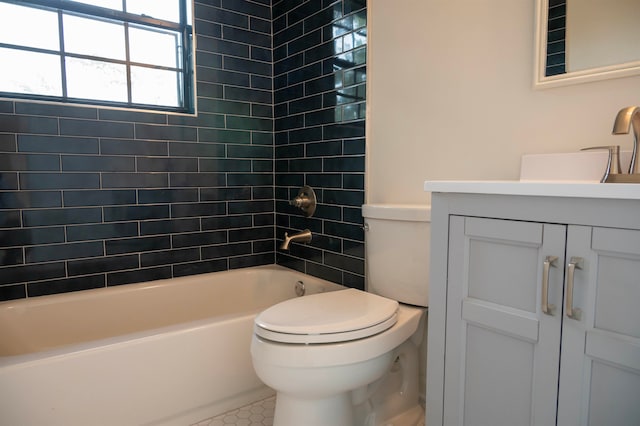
(305, 201)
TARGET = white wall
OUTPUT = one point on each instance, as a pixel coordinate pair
(450, 96)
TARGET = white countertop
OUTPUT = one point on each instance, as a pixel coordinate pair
(579, 189)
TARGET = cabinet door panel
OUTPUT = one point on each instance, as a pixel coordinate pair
(502, 352)
(613, 396)
(618, 271)
(621, 293)
(502, 253)
(600, 360)
(497, 383)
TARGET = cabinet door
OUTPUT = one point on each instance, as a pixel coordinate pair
(501, 351)
(600, 361)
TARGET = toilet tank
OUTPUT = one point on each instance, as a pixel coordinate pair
(397, 251)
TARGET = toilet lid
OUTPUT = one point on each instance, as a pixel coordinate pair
(331, 317)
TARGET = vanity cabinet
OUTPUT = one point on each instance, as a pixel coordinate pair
(534, 315)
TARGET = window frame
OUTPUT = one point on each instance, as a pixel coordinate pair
(186, 74)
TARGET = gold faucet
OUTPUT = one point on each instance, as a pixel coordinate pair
(624, 120)
(302, 237)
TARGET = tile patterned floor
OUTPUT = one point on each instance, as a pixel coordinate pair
(259, 413)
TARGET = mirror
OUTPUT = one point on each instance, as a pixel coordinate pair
(579, 41)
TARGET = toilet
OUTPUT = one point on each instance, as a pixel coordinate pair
(351, 357)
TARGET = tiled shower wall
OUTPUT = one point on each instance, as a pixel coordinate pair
(319, 96)
(91, 197)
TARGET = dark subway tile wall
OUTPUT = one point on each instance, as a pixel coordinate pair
(94, 197)
(319, 109)
(91, 197)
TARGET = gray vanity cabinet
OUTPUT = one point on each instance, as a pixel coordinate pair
(537, 315)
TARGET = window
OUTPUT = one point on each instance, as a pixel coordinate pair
(131, 53)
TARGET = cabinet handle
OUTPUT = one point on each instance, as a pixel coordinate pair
(574, 263)
(549, 261)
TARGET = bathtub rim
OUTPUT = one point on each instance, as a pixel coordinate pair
(85, 294)
(76, 349)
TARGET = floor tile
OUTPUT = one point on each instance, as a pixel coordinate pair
(259, 413)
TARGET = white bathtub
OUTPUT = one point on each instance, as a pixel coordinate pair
(168, 352)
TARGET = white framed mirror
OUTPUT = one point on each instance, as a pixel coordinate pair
(579, 41)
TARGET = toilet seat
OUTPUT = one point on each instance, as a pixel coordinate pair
(332, 317)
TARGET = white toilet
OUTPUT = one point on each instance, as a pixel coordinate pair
(349, 357)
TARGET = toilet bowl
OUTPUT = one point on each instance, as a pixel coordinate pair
(331, 356)
(313, 379)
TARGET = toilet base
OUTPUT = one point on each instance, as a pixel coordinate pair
(393, 400)
(336, 410)
(411, 417)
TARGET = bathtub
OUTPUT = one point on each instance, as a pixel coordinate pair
(169, 352)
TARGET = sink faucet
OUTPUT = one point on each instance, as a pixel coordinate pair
(624, 120)
(301, 237)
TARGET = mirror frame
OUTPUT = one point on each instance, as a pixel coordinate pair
(541, 81)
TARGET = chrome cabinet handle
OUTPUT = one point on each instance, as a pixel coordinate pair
(549, 261)
(574, 263)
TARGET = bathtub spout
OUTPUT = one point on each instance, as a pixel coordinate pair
(301, 237)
